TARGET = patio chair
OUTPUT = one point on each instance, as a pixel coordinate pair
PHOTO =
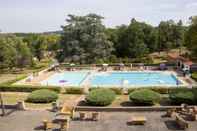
(95, 116)
(183, 124)
(47, 125)
(137, 120)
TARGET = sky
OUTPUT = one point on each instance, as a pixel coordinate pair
(49, 15)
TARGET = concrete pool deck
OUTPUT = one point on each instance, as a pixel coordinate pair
(110, 121)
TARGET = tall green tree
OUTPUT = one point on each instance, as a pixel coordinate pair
(191, 36)
(84, 40)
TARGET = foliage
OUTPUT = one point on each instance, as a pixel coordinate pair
(100, 97)
(26, 88)
(84, 40)
(183, 95)
(42, 96)
(74, 90)
(144, 97)
(194, 76)
(191, 36)
(117, 91)
(14, 52)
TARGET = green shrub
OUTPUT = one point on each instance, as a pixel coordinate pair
(42, 96)
(74, 90)
(194, 76)
(182, 95)
(27, 88)
(100, 97)
(118, 91)
(161, 90)
(144, 97)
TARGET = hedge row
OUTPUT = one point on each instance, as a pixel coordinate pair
(73, 90)
(27, 88)
(194, 76)
(118, 91)
(161, 90)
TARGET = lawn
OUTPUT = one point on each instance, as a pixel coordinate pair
(14, 97)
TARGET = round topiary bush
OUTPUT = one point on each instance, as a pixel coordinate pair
(42, 96)
(100, 97)
(144, 97)
(182, 96)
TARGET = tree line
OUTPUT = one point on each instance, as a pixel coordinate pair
(85, 40)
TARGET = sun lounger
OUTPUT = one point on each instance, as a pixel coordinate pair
(181, 122)
(137, 120)
(47, 125)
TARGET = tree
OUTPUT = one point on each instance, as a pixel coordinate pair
(84, 40)
(191, 36)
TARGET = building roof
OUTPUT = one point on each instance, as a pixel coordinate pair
(175, 56)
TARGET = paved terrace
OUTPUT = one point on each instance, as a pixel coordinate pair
(110, 121)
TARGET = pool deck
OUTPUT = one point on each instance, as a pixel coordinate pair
(109, 121)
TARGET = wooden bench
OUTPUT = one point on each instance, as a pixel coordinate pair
(137, 120)
(181, 122)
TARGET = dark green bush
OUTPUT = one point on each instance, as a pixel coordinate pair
(194, 76)
(161, 90)
(74, 90)
(183, 95)
(118, 91)
(27, 88)
(42, 96)
(144, 97)
(100, 97)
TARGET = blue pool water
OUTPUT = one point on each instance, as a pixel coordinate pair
(135, 78)
(66, 78)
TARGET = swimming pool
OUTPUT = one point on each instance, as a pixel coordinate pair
(135, 79)
(66, 79)
(113, 79)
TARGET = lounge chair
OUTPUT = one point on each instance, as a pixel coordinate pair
(181, 122)
(137, 120)
(47, 125)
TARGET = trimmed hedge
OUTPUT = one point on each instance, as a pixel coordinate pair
(42, 96)
(194, 76)
(27, 88)
(118, 91)
(160, 90)
(183, 95)
(144, 97)
(100, 97)
(74, 90)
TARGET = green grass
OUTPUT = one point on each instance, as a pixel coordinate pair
(14, 97)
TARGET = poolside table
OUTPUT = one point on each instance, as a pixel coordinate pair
(137, 120)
